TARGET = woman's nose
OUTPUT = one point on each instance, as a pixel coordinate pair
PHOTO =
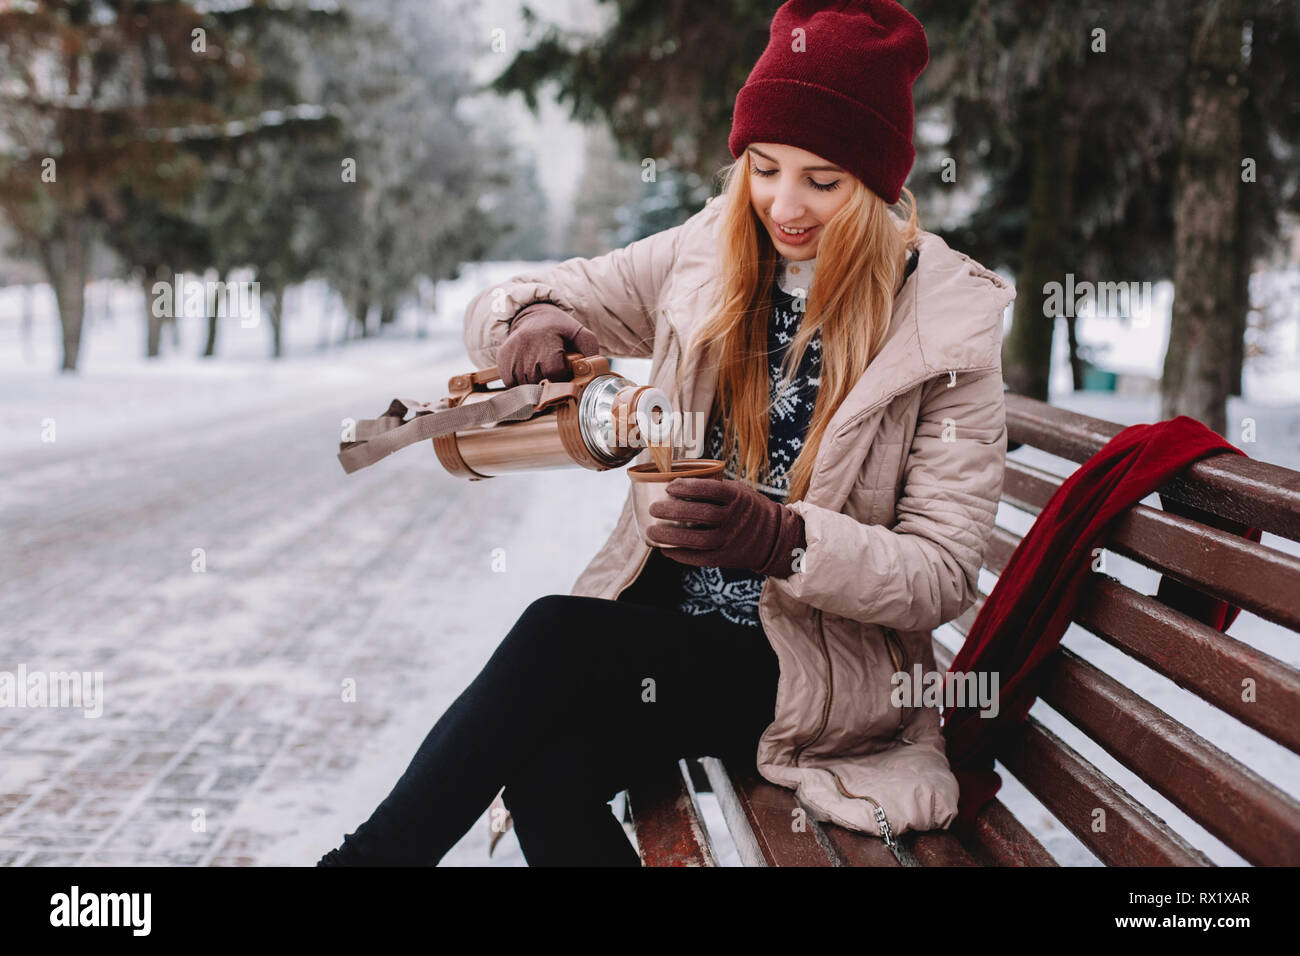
(786, 205)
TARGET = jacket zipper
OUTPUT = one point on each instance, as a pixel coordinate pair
(899, 659)
(830, 690)
(882, 822)
(891, 640)
(907, 387)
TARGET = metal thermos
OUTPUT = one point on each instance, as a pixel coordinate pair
(599, 421)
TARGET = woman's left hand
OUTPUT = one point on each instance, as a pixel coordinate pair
(739, 527)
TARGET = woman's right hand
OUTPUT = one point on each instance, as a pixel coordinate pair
(540, 336)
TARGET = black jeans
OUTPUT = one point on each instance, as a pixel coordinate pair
(581, 698)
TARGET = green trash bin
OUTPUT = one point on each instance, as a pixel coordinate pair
(1099, 379)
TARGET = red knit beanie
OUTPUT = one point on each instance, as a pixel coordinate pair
(836, 79)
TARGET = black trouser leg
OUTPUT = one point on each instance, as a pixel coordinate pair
(579, 695)
(560, 824)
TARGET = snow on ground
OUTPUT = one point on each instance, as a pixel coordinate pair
(222, 687)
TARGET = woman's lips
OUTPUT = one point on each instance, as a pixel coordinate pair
(798, 240)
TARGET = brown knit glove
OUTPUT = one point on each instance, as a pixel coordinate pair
(741, 528)
(534, 348)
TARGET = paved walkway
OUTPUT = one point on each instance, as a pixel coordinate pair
(225, 738)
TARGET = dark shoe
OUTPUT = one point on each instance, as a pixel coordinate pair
(333, 858)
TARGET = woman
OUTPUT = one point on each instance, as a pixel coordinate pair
(850, 363)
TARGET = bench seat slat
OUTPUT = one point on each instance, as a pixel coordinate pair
(760, 817)
(669, 829)
(851, 848)
(939, 848)
(999, 839)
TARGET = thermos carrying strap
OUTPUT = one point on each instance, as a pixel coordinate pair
(377, 438)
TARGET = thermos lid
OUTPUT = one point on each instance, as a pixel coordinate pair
(617, 416)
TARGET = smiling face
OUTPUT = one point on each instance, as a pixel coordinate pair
(792, 189)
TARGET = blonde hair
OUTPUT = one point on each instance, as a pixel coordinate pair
(860, 261)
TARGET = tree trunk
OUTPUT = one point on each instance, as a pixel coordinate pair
(1076, 360)
(106, 305)
(1240, 305)
(277, 320)
(153, 336)
(422, 315)
(387, 314)
(1251, 145)
(210, 345)
(1196, 371)
(362, 316)
(325, 320)
(66, 262)
(29, 315)
(154, 323)
(1069, 242)
(1027, 350)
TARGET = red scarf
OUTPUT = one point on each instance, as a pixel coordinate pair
(1023, 619)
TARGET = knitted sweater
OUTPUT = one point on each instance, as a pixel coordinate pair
(730, 592)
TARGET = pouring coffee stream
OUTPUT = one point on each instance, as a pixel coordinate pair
(662, 454)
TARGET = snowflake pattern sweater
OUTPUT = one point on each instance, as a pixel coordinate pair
(730, 592)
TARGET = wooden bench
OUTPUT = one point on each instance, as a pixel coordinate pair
(1224, 796)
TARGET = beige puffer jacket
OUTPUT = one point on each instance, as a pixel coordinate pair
(901, 504)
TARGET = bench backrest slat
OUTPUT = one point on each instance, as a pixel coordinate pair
(1074, 791)
(1252, 576)
(1242, 809)
(1227, 798)
(1258, 493)
(1198, 658)
(1193, 655)
(1248, 813)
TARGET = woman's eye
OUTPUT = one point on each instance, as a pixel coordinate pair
(824, 187)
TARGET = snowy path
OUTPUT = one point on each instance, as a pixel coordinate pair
(222, 689)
